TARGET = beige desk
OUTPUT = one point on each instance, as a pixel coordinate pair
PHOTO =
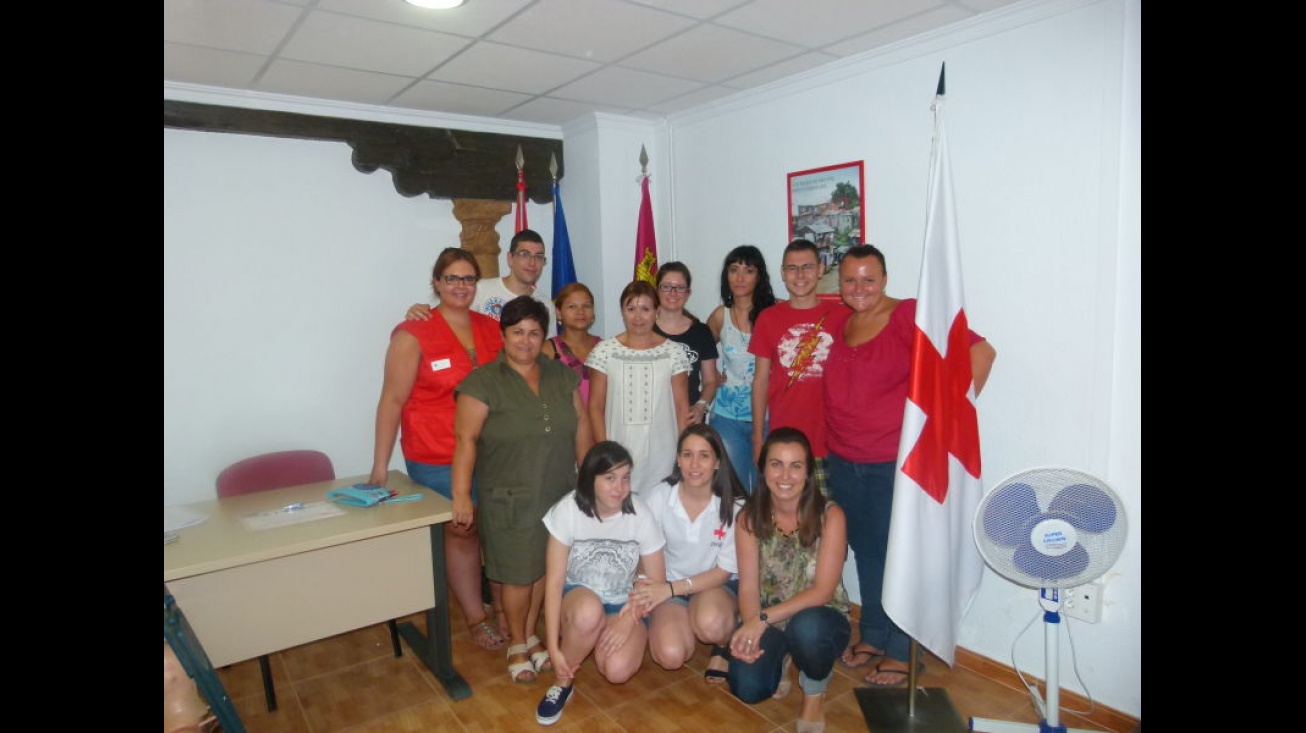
(249, 592)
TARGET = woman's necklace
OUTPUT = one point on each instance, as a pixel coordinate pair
(781, 532)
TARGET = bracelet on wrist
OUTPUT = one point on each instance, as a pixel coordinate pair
(672, 588)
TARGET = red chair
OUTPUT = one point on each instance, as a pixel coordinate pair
(275, 471)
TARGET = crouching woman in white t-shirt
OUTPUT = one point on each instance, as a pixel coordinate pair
(599, 535)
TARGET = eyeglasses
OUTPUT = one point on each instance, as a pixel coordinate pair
(792, 269)
(455, 279)
(674, 288)
(522, 254)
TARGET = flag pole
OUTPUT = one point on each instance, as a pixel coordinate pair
(901, 710)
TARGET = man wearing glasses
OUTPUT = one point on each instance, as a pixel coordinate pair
(526, 263)
(791, 341)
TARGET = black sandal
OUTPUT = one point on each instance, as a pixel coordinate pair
(717, 676)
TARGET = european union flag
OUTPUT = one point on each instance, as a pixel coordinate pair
(564, 270)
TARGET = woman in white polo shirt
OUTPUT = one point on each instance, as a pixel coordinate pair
(696, 507)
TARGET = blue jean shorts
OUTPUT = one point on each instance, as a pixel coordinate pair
(608, 608)
(731, 586)
(436, 477)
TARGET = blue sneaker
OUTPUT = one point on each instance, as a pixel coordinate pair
(551, 706)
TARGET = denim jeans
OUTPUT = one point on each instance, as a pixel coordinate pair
(865, 491)
(814, 638)
(738, 438)
(436, 477)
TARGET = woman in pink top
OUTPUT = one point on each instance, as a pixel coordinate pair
(575, 307)
(865, 393)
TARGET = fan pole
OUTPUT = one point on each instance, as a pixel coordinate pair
(1051, 708)
(906, 711)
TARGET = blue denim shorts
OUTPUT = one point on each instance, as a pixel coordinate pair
(731, 586)
(608, 608)
(436, 477)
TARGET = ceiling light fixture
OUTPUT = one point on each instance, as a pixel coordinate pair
(436, 4)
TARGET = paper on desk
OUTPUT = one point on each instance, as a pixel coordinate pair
(175, 518)
(309, 512)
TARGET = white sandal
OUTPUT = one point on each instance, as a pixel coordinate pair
(540, 660)
(520, 671)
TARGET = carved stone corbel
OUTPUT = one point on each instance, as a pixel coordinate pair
(479, 218)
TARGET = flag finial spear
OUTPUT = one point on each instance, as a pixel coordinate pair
(553, 165)
(643, 160)
(520, 160)
(943, 68)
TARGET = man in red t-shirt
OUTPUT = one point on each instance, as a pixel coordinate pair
(791, 341)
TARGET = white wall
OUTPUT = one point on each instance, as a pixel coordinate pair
(1043, 118)
(285, 269)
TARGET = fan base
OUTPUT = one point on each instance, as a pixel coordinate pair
(1003, 726)
(886, 711)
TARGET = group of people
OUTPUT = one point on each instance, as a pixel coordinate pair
(683, 482)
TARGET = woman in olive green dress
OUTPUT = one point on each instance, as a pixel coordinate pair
(521, 428)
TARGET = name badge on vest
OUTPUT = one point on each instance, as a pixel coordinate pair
(439, 364)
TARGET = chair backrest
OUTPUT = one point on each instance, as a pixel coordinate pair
(275, 471)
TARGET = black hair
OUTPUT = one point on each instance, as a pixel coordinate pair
(725, 482)
(763, 295)
(523, 308)
(862, 251)
(601, 458)
(525, 235)
(803, 245)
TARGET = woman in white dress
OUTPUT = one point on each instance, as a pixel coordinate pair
(639, 388)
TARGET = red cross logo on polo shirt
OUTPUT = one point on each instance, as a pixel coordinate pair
(720, 532)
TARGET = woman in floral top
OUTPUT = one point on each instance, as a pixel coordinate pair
(791, 542)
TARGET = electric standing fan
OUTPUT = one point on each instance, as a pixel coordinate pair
(1049, 529)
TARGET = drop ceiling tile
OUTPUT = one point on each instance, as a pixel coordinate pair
(441, 97)
(780, 70)
(816, 24)
(549, 110)
(511, 68)
(702, 9)
(327, 82)
(624, 87)
(900, 30)
(691, 100)
(369, 45)
(255, 26)
(710, 53)
(602, 30)
(195, 65)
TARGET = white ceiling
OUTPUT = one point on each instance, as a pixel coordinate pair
(543, 61)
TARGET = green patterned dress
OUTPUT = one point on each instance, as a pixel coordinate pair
(788, 569)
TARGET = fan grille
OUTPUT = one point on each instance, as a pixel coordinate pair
(1050, 528)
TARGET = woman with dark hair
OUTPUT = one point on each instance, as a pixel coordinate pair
(423, 365)
(678, 324)
(575, 308)
(792, 543)
(521, 427)
(599, 535)
(745, 293)
(695, 507)
(639, 388)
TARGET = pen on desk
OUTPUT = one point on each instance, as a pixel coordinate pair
(293, 507)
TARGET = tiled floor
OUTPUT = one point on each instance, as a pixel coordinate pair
(353, 682)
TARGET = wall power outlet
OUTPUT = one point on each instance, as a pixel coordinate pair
(1084, 603)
